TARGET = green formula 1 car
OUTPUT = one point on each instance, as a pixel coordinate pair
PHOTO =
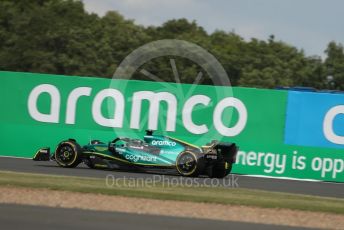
(153, 152)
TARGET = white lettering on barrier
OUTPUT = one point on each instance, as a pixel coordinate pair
(187, 114)
(328, 165)
(154, 103)
(54, 113)
(328, 125)
(117, 120)
(338, 167)
(72, 101)
(217, 117)
(277, 163)
(271, 162)
(118, 114)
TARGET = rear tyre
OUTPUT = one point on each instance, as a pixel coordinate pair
(221, 169)
(68, 154)
(188, 164)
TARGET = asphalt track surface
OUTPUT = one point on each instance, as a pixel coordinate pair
(269, 184)
(36, 217)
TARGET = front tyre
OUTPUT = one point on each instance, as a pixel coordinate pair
(188, 164)
(68, 154)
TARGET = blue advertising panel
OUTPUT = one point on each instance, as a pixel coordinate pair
(315, 119)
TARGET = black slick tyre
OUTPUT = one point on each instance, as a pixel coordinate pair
(188, 164)
(68, 154)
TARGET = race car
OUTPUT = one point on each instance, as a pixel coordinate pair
(154, 152)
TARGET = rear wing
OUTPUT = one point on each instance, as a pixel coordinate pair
(228, 151)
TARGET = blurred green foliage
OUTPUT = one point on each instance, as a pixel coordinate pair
(60, 37)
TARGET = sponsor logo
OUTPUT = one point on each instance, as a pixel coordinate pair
(168, 152)
(214, 157)
(136, 158)
(136, 147)
(318, 124)
(155, 100)
(164, 143)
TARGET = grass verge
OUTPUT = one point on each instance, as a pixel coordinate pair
(220, 195)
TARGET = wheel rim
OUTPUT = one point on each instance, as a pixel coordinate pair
(65, 154)
(186, 163)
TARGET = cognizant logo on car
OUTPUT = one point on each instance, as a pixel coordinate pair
(136, 158)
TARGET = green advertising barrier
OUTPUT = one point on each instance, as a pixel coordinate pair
(40, 110)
